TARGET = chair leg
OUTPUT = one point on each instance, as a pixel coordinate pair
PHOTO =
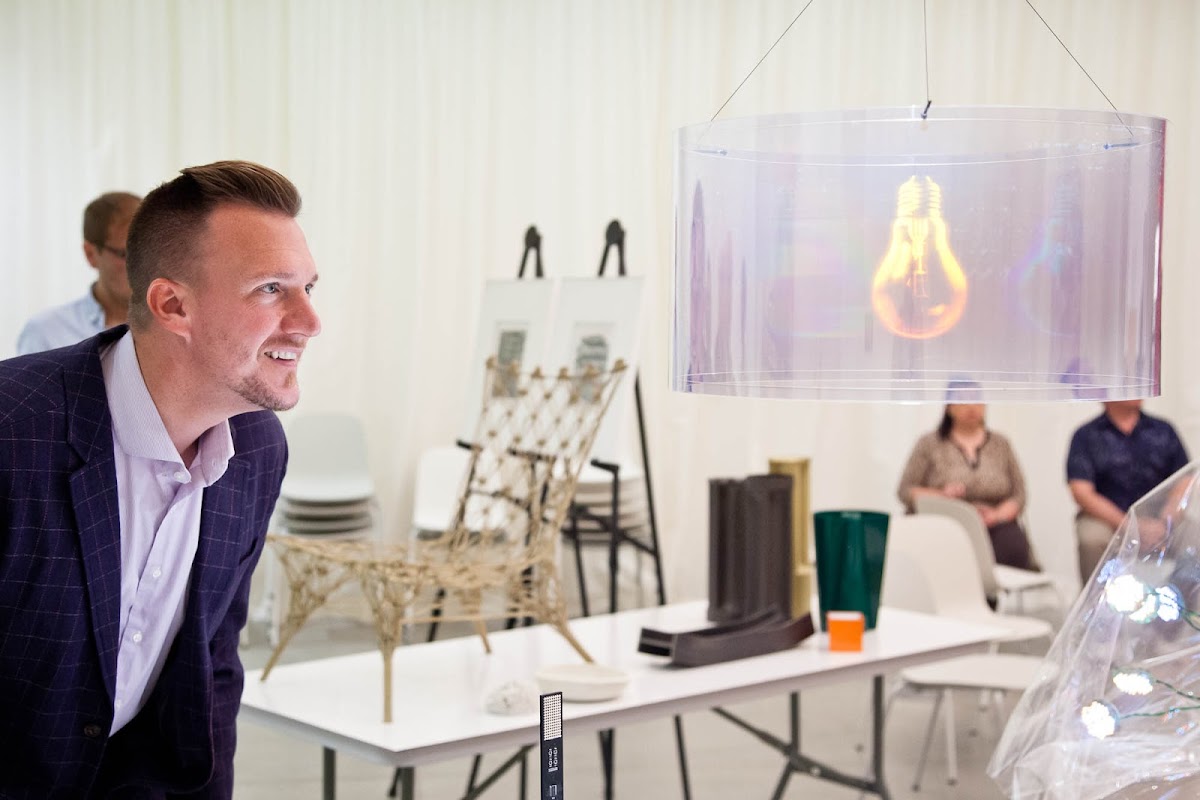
(481, 629)
(583, 595)
(997, 715)
(951, 744)
(937, 705)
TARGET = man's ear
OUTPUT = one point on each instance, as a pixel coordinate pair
(91, 253)
(170, 306)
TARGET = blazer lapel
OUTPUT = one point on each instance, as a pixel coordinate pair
(94, 497)
(222, 544)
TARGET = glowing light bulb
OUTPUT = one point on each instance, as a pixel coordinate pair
(919, 290)
(1099, 718)
(1125, 594)
(1133, 681)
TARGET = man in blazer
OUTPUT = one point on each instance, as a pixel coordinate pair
(138, 470)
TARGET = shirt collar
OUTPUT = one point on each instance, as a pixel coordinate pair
(139, 430)
(91, 309)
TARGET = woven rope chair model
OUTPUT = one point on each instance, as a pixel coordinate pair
(534, 434)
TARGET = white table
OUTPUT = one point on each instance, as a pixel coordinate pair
(440, 686)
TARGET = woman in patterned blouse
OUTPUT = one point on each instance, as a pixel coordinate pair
(963, 459)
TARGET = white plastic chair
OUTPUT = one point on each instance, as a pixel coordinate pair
(327, 464)
(931, 568)
(440, 475)
(1000, 581)
(327, 460)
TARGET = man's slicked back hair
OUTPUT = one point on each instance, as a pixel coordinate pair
(165, 236)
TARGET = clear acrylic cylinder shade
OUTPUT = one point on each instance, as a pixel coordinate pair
(981, 254)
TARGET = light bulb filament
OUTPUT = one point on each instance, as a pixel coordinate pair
(919, 290)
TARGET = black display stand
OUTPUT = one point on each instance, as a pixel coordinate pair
(614, 237)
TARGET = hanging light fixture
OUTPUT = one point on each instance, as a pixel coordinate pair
(907, 254)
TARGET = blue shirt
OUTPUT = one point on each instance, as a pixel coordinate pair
(62, 325)
(1124, 468)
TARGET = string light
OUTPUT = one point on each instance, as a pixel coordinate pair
(1141, 603)
(1102, 718)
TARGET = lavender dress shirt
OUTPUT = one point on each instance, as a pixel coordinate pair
(159, 500)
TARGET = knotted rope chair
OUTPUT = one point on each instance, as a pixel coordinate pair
(534, 434)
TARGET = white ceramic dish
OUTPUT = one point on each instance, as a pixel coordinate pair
(582, 683)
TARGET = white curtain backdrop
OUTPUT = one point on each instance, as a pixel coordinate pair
(426, 136)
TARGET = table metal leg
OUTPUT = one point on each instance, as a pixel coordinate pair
(606, 758)
(880, 718)
(683, 767)
(517, 759)
(402, 782)
(408, 783)
(798, 762)
(328, 773)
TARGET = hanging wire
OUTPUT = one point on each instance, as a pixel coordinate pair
(761, 60)
(1081, 69)
(925, 27)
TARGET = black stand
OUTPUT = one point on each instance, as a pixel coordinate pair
(614, 237)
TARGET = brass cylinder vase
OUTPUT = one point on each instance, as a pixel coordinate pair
(803, 572)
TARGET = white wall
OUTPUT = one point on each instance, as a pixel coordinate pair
(425, 137)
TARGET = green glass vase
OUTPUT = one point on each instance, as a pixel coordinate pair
(850, 550)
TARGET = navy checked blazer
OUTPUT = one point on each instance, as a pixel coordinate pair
(60, 589)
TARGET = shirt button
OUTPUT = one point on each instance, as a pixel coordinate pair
(157, 573)
(181, 476)
(117, 705)
(92, 731)
(137, 637)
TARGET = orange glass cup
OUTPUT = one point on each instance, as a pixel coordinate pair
(845, 631)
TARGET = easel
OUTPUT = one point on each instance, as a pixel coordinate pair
(614, 237)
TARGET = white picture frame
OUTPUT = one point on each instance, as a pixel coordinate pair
(598, 321)
(514, 319)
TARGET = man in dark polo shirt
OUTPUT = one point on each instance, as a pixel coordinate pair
(1114, 460)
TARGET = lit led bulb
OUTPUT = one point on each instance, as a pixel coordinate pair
(1170, 604)
(919, 290)
(1099, 718)
(1134, 681)
(1125, 594)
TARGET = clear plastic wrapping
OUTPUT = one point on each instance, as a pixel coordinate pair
(1115, 712)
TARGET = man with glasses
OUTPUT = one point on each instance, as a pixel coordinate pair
(105, 226)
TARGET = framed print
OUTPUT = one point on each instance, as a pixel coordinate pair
(597, 321)
(514, 317)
